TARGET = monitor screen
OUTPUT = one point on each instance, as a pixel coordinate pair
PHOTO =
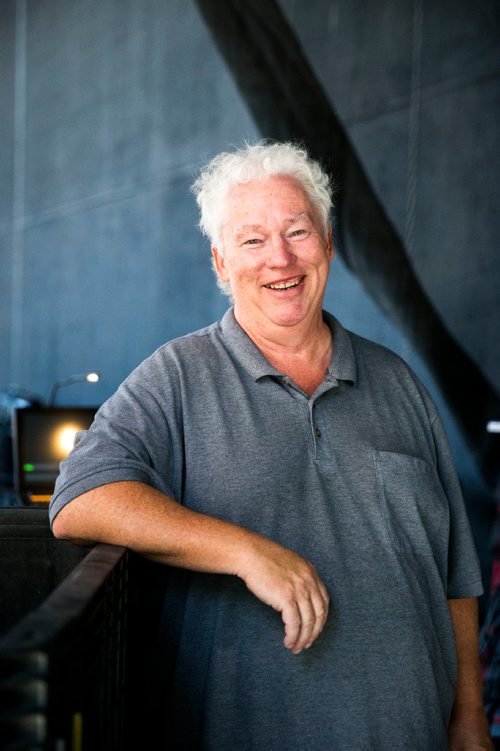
(42, 437)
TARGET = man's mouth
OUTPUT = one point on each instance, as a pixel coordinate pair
(285, 284)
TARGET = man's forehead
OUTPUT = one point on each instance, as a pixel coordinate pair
(255, 204)
(279, 182)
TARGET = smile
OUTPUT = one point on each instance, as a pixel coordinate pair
(288, 284)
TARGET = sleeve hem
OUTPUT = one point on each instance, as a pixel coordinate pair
(474, 589)
(96, 479)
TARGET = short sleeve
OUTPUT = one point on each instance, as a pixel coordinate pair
(464, 573)
(131, 439)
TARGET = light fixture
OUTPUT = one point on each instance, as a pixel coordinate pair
(91, 377)
(64, 439)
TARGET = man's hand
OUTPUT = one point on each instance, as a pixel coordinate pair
(289, 584)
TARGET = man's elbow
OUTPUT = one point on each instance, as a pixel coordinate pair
(59, 528)
(66, 527)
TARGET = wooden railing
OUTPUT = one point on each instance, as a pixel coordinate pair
(62, 665)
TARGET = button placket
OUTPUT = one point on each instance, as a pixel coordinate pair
(313, 428)
(317, 427)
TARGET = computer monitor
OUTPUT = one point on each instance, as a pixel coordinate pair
(41, 438)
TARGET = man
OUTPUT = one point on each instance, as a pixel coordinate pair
(288, 465)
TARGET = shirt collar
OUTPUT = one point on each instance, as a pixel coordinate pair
(342, 364)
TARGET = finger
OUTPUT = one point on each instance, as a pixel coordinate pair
(321, 601)
(314, 610)
(308, 624)
(324, 594)
(320, 586)
(321, 615)
(314, 615)
(306, 615)
(292, 620)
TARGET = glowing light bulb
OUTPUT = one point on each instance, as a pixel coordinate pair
(92, 377)
(64, 439)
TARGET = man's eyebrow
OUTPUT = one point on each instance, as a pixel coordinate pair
(299, 216)
(242, 228)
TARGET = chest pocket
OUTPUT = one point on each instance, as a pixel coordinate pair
(413, 504)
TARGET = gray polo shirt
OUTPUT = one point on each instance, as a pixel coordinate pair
(358, 479)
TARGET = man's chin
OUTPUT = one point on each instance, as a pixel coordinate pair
(286, 318)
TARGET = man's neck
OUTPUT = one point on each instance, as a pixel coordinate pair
(302, 352)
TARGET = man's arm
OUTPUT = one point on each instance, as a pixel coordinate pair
(141, 518)
(468, 729)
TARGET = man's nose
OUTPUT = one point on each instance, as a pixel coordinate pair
(280, 252)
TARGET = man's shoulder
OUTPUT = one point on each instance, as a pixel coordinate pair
(192, 342)
(381, 367)
(189, 353)
(347, 339)
(374, 351)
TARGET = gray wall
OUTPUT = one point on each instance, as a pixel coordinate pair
(108, 109)
(121, 104)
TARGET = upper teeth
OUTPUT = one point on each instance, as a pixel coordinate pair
(284, 285)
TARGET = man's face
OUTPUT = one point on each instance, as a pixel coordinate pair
(274, 253)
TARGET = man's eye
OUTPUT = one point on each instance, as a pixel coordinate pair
(298, 232)
(252, 241)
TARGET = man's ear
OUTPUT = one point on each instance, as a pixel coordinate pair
(329, 244)
(219, 264)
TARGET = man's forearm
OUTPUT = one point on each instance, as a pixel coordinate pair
(143, 519)
(147, 521)
(468, 730)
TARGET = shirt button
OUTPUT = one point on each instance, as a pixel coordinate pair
(318, 433)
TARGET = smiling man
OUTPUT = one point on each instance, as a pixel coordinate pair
(297, 478)
(277, 270)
